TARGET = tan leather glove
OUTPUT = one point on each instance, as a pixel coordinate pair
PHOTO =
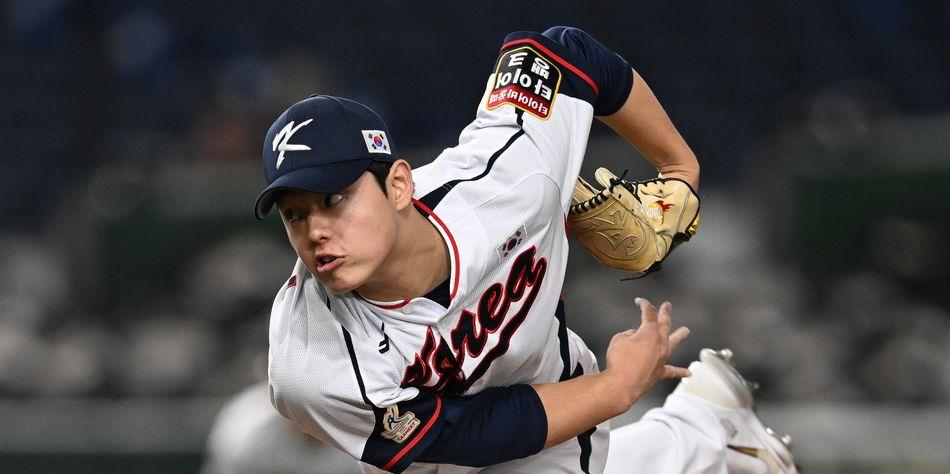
(632, 226)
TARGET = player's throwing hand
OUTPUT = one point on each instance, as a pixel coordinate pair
(636, 361)
(636, 358)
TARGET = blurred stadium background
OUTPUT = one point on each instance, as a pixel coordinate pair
(136, 284)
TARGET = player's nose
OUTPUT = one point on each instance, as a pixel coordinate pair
(318, 228)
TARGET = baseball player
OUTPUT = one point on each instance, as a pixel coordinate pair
(422, 329)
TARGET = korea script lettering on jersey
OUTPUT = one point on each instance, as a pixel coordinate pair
(369, 377)
(437, 365)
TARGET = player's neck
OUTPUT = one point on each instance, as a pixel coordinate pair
(418, 262)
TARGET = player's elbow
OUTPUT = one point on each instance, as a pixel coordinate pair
(682, 165)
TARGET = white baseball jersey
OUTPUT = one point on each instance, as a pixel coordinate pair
(369, 377)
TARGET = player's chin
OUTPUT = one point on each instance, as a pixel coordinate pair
(339, 281)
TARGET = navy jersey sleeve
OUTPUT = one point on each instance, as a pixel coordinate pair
(404, 431)
(611, 73)
(496, 425)
(581, 67)
(491, 427)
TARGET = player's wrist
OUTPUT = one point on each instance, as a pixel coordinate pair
(618, 393)
(690, 176)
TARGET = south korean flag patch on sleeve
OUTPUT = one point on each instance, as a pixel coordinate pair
(376, 141)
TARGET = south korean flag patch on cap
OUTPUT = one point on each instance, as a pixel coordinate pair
(376, 141)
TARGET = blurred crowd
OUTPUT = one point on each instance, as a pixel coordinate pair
(132, 265)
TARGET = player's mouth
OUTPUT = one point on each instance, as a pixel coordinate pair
(328, 263)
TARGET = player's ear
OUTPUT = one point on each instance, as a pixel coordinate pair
(399, 184)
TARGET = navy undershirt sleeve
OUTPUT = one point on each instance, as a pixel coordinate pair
(496, 425)
(612, 73)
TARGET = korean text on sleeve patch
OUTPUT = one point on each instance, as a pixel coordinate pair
(526, 79)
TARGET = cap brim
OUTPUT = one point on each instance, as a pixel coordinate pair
(328, 178)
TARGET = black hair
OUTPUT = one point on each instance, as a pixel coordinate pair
(380, 170)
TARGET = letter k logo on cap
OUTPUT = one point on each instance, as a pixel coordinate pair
(281, 139)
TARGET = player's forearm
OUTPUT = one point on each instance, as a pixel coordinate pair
(643, 122)
(574, 406)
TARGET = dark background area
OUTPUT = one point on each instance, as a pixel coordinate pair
(133, 268)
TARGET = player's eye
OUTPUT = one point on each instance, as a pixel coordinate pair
(292, 215)
(332, 199)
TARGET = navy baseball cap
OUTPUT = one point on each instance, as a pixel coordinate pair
(322, 144)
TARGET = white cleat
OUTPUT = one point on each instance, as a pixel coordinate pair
(752, 446)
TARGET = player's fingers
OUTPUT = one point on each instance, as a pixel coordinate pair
(665, 318)
(648, 312)
(678, 336)
(674, 372)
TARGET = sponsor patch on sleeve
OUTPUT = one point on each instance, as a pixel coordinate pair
(526, 79)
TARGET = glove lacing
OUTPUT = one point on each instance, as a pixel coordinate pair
(629, 186)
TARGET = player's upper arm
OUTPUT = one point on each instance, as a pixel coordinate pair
(533, 68)
(551, 85)
(611, 73)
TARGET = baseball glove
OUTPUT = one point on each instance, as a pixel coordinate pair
(633, 226)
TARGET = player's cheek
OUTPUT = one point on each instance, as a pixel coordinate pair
(351, 281)
(352, 274)
(300, 249)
